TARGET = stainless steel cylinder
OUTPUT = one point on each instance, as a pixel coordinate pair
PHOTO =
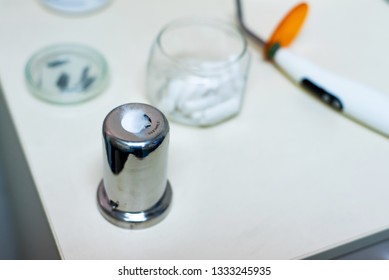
(135, 192)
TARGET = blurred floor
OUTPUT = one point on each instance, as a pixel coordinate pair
(378, 251)
(8, 240)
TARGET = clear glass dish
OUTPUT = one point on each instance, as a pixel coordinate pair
(66, 74)
(75, 7)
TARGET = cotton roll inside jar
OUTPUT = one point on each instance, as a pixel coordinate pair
(197, 71)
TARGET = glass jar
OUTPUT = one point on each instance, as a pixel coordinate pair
(197, 71)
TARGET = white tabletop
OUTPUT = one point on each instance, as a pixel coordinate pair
(286, 179)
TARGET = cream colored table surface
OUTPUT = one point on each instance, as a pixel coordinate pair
(285, 179)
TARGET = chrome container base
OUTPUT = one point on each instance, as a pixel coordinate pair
(134, 220)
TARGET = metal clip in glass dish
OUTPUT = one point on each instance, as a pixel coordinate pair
(67, 73)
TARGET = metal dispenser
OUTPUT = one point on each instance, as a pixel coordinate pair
(135, 192)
